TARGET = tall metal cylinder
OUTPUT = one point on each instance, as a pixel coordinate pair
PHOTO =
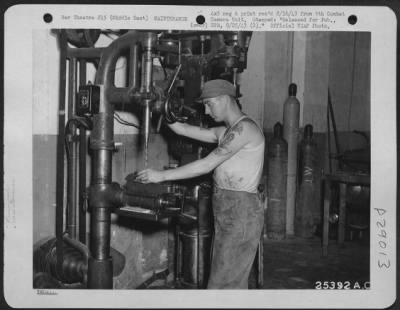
(196, 242)
(195, 258)
(100, 269)
(304, 224)
(276, 185)
(291, 113)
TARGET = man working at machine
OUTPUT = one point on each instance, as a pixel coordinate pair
(238, 162)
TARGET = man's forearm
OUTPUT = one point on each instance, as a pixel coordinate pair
(177, 127)
(191, 170)
(194, 132)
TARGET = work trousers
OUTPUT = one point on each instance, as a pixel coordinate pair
(238, 224)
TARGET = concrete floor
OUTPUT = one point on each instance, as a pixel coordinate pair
(296, 263)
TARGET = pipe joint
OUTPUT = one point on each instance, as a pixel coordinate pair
(102, 145)
(105, 195)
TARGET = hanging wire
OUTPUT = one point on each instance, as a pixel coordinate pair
(120, 120)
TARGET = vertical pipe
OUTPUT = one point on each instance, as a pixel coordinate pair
(102, 167)
(198, 258)
(146, 130)
(100, 263)
(100, 269)
(73, 158)
(102, 144)
(101, 234)
(82, 164)
(133, 66)
(60, 152)
(147, 62)
(82, 184)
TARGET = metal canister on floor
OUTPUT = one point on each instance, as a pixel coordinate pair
(276, 185)
(304, 223)
(195, 238)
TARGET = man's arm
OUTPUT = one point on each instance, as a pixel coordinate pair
(236, 139)
(202, 134)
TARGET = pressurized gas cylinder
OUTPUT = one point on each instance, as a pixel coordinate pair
(304, 223)
(276, 185)
(291, 112)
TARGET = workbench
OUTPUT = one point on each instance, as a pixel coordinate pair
(343, 179)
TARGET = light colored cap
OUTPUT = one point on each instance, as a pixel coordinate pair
(215, 88)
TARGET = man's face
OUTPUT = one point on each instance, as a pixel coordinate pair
(214, 108)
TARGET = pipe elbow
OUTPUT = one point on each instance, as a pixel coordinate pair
(109, 57)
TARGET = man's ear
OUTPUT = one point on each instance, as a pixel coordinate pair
(225, 99)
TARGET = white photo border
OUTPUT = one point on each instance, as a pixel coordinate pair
(21, 20)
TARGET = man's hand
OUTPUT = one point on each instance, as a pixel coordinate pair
(150, 176)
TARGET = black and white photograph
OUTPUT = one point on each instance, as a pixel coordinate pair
(215, 161)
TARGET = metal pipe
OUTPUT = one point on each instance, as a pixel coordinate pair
(82, 164)
(87, 53)
(60, 153)
(155, 203)
(102, 168)
(73, 154)
(147, 70)
(77, 245)
(82, 184)
(148, 43)
(101, 233)
(146, 130)
(133, 73)
(102, 145)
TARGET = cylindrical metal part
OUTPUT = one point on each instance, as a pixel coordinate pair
(73, 154)
(304, 224)
(102, 144)
(100, 233)
(61, 150)
(100, 274)
(82, 163)
(82, 184)
(276, 186)
(146, 202)
(195, 263)
(205, 220)
(73, 266)
(85, 52)
(291, 112)
(148, 42)
(102, 166)
(195, 239)
(147, 71)
(146, 130)
(72, 186)
(133, 66)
